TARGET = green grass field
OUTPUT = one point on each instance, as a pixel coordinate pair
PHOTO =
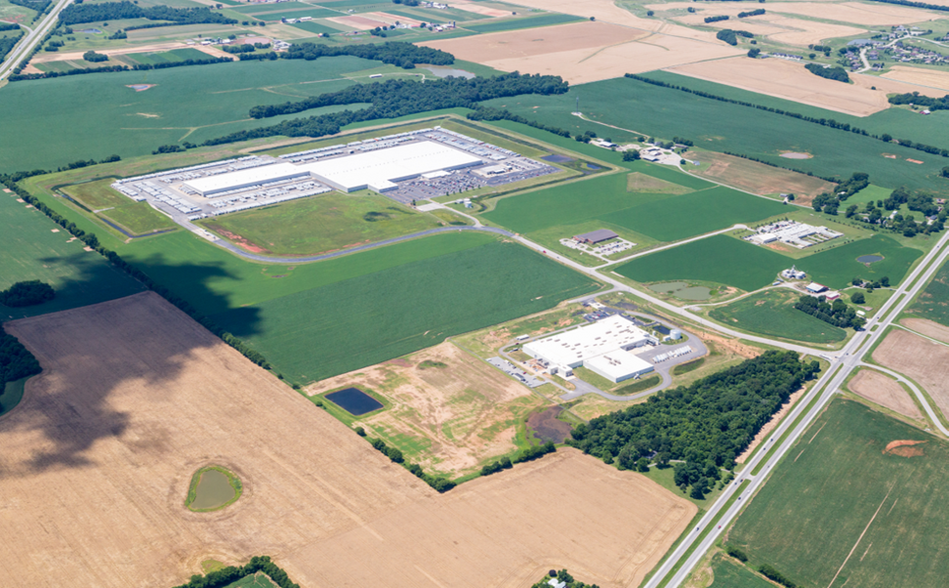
(322, 223)
(372, 317)
(663, 112)
(772, 313)
(513, 24)
(173, 56)
(311, 11)
(68, 118)
(135, 218)
(32, 251)
(312, 26)
(725, 260)
(932, 301)
(728, 573)
(839, 504)
(11, 395)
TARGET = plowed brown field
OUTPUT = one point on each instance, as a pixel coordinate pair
(135, 396)
(921, 360)
(885, 391)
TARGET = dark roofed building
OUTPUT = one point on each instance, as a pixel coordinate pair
(594, 237)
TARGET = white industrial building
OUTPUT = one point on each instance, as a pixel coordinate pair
(377, 170)
(602, 347)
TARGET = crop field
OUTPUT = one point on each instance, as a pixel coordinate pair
(522, 23)
(729, 573)
(35, 248)
(881, 517)
(933, 302)
(318, 224)
(449, 411)
(663, 112)
(129, 453)
(373, 317)
(750, 266)
(93, 116)
(772, 313)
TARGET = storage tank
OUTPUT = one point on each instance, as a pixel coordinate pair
(675, 334)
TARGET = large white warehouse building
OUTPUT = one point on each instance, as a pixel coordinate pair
(377, 170)
(602, 347)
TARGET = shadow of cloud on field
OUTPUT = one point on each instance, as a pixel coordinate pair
(91, 352)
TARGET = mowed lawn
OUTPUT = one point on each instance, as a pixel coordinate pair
(370, 318)
(661, 216)
(322, 223)
(839, 483)
(726, 260)
(32, 251)
(773, 313)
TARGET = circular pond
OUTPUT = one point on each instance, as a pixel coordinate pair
(213, 488)
(869, 258)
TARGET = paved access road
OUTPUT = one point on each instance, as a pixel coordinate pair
(31, 38)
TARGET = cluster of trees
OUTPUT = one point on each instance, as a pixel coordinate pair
(698, 477)
(7, 44)
(245, 47)
(94, 57)
(392, 98)
(831, 73)
(490, 113)
(819, 121)
(562, 576)
(917, 99)
(736, 553)
(883, 282)
(754, 52)
(231, 574)
(82, 13)
(825, 49)
(53, 46)
(175, 148)
(709, 19)
(772, 574)
(406, 2)
(925, 5)
(709, 422)
(15, 360)
(92, 241)
(838, 314)
(631, 155)
(873, 213)
(751, 13)
(116, 68)
(397, 53)
(8, 26)
(731, 36)
(40, 6)
(28, 293)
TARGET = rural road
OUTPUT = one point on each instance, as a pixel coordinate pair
(31, 38)
(677, 567)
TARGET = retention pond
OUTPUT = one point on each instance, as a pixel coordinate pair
(214, 490)
(354, 401)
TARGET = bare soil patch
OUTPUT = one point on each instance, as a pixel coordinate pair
(759, 178)
(776, 419)
(885, 391)
(904, 448)
(731, 345)
(464, 413)
(919, 76)
(546, 427)
(784, 79)
(928, 328)
(508, 530)
(921, 360)
(602, 10)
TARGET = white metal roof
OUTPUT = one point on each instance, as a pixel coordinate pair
(245, 177)
(618, 365)
(575, 347)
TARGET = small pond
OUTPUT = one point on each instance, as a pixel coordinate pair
(214, 490)
(557, 158)
(444, 72)
(354, 401)
(682, 290)
(870, 258)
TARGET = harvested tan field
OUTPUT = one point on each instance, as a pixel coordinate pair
(885, 391)
(919, 76)
(928, 328)
(856, 13)
(779, 28)
(135, 396)
(355, 22)
(919, 359)
(151, 48)
(480, 9)
(391, 18)
(602, 10)
(888, 86)
(508, 529)
(788, 80)
(757, 177)
(464, 412)
(582, 52)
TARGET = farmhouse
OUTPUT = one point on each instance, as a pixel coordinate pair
(601, 347)
(594, 237)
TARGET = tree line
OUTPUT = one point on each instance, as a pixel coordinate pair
(398, 53)
(79, 13)
(731, 36)
(751, 13)
(8, 26)
(708, 423)
(117, 68)
(836, 73)
(29, 293)
(925, 5)
(92, 241)
(231, 574)
(7, 44)
(440, 484)
(391, 99)
(709, 19)
(245, 48)
(819, 121)
(490, 113)
(838, 314)
(16, 361)
(93, 57)
(917, 99)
